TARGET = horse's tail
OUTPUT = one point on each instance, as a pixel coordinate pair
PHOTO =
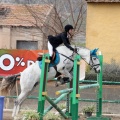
(7, 84)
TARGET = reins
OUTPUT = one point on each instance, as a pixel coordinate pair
(80, 56)
(66, 57)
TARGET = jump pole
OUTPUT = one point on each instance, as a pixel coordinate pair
(42, 91)
(74, 96)
(74, 90)
(98, 85)
(43, 94)
(56, 101)
(80, 88)
(42, 86)
(99, 94)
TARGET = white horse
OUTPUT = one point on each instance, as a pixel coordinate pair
(30, 77)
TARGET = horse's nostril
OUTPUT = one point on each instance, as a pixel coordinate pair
(97, 71)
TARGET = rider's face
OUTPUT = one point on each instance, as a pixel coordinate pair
(71, 32)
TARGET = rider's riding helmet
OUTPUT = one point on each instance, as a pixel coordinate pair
(68, 27)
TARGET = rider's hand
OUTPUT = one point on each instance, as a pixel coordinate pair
(75, 50)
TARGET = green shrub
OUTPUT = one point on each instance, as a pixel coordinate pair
(89, 109)
(30, 115)
(52, 116)
(62, 106)
(111, 72)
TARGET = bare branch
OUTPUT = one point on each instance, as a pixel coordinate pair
(71, 10)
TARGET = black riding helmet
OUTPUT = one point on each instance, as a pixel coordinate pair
(68, 27)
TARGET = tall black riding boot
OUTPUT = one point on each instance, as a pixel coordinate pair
(57, 73)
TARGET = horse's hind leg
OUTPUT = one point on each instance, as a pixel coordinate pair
(23, 95)
(18, 102)
(7, 101)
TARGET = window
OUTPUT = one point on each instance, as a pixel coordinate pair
(29, 45)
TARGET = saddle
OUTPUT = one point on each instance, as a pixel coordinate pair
(55, 60)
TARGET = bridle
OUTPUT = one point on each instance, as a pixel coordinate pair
(91, 58)
(93, 65)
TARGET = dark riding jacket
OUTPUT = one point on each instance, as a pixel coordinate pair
(55, 41)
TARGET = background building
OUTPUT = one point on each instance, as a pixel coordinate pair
(26, 26)
(103, 27)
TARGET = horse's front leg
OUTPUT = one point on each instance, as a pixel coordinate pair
(64, 78)
(67, 74)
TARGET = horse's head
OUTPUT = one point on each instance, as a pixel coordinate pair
(90, 57)
(94, 61)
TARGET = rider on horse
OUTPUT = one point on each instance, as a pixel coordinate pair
(55, 41)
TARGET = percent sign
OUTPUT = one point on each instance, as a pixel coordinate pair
(20, 61)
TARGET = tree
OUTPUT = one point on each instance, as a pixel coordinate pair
(68, 12)
(64, 12)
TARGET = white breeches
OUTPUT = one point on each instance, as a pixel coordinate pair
(50, 49)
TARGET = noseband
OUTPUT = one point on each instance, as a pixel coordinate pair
(93, 65)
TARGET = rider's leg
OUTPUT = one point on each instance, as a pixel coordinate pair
(50, 49)
(57, 73)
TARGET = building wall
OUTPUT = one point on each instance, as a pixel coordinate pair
(26, 34)
(5, 37)
(103, 29)
(10, 35)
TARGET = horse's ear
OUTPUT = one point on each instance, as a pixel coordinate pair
(94, 51)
